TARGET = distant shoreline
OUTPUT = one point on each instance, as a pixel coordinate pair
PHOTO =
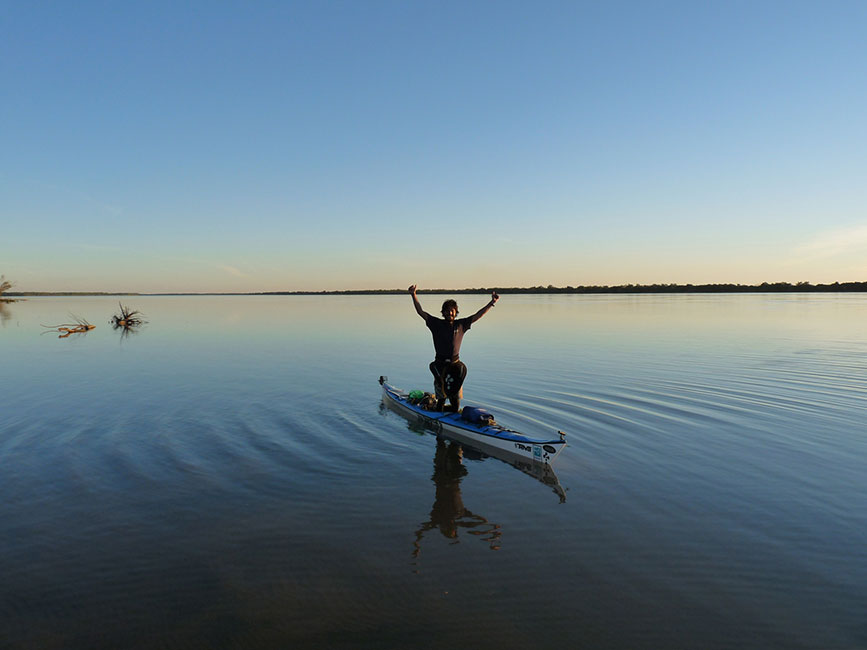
(765, 287)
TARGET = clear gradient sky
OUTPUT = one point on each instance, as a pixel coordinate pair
(259, 146)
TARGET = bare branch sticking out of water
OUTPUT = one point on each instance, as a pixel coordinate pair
(80, 326)
(128, 319)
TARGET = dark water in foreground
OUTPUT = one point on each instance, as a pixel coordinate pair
(227, 477)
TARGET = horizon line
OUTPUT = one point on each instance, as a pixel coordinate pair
(539, 289)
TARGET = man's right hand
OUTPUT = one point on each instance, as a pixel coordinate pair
(412, 289)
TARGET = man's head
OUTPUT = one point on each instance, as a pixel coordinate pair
(450, 310)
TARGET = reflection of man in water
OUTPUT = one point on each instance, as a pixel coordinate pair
(448, 333)
(448, 512)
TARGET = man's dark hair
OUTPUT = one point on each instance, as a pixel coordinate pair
(448, 304)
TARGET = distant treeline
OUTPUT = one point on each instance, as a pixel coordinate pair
(764, 287)
(69, 293)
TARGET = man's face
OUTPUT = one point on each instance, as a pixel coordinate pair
(450, 314)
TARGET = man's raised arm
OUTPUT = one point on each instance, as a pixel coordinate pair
(484, 310)
(415, 302)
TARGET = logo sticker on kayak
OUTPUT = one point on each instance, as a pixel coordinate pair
(537, 451)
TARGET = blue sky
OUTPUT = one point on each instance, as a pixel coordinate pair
(256, 146)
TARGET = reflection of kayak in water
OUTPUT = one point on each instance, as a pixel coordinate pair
(477, 442)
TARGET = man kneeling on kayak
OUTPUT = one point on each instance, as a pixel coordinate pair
(448, 370)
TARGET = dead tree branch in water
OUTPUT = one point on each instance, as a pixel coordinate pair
(80, 326)
(127, 319)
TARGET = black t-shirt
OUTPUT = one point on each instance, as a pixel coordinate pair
(447, 336)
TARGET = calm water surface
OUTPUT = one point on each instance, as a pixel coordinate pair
(228, 478)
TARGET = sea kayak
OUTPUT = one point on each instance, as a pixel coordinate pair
(492, 436)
